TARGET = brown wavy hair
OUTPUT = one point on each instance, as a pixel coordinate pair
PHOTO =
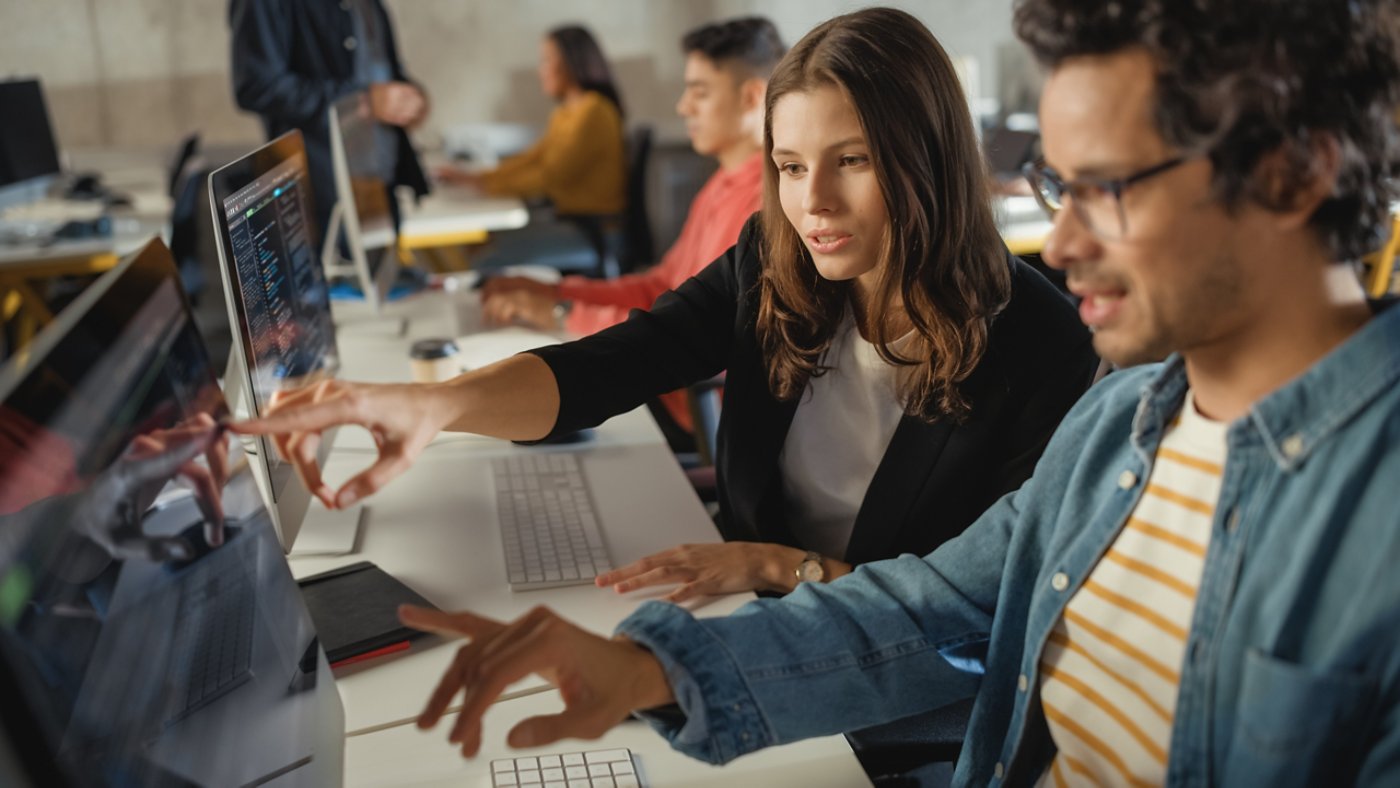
(943, 259)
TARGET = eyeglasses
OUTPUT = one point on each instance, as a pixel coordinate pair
(1097, 201)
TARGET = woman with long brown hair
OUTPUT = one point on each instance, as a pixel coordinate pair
(891, 369)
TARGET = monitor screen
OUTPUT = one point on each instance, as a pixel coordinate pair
(278, 300)
(28, 152)
(148, 620)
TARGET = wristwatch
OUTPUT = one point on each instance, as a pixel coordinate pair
(810, 570)
(561, 312)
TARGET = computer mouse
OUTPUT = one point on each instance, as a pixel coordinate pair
(114, 200)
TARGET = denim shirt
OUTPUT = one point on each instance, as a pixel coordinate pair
(1292, 667)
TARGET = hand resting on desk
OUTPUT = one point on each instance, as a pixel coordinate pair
(601, 681)
(714, 569)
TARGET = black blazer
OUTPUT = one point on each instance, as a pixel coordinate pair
(934, 479)
(290, 64)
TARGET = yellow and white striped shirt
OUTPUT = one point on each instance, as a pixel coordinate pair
(1109, 674)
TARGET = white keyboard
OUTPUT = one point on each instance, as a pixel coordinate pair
(549, 529)
(592, 769)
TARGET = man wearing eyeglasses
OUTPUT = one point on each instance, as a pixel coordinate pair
(1199, 584)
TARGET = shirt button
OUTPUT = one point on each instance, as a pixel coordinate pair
(1022, 683)
(351, 43)
(1127, 480)
(998, 770)
(1233, 524)
(1293, 446)
(1060, 581)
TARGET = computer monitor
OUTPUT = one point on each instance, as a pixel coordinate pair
(279, 307)
(150, 631)
(28, 152)
(362, 150)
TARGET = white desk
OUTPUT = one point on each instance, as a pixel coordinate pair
(453, 210)
(435, 529)
(408, 756)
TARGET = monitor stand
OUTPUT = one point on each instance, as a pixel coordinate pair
(328, 531)
(323, 532)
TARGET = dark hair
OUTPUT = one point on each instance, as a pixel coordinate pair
(584, 59)
(1241, 79)
(942, 256)
(750, 44)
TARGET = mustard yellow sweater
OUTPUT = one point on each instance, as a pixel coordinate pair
(578, 164)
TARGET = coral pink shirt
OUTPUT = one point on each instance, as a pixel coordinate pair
(716, 216)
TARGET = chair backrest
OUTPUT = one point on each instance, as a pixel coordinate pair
(188, 176)
(637, 247)
(1381, 277)
(184, 154)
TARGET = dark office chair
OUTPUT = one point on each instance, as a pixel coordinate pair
(622, 244)
(889, 752)
(638, 248)
(187, 177)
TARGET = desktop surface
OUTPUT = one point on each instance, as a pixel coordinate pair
(408, 756)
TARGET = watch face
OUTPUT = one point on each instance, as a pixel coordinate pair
(810, 571)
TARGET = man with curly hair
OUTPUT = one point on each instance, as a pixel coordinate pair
(1198, 585)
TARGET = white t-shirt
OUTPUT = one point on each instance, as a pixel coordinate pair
(843, 424)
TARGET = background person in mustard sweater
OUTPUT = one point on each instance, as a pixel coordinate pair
(579, 165)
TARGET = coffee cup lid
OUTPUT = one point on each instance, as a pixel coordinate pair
(428, 349)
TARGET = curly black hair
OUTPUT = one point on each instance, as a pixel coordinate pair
(1239, 79)
(751, 43)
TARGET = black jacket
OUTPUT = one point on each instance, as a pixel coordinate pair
(290, 63)
(934, 479)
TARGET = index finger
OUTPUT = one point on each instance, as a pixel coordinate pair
(311, 417)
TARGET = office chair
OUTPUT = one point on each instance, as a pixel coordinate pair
(1381, 264)
(187, 177)
(623, 243)
(638, 248)
(896, 748)
(705, 399)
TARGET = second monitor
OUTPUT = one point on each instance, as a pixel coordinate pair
(362, 152)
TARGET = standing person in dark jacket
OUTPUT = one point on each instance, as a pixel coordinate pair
(292, 61)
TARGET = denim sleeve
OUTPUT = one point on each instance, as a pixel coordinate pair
(892, 639)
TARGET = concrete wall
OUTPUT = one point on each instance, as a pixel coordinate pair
(141, 73)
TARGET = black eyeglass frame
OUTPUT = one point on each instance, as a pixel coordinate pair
(1038, 174)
